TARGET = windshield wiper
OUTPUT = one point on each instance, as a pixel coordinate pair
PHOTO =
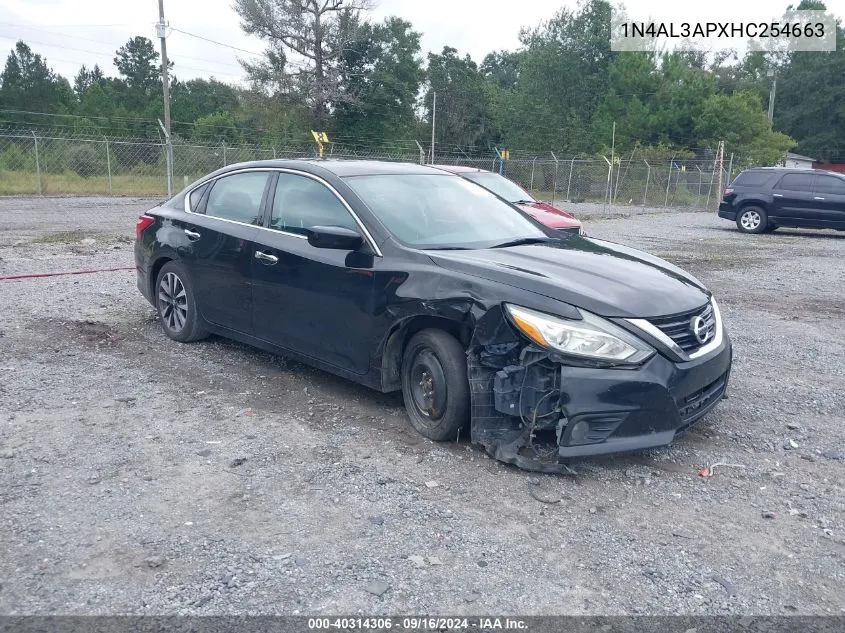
(524, 240)
(523, 202)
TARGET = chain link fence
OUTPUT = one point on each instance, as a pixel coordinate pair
(44, 162)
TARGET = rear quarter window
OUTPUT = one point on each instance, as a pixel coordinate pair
(751, 178)
(196, 196)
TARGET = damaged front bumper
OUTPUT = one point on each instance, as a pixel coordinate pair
(538, 413)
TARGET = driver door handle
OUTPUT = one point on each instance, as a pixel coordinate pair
(817, 198)
(266, 257)
(192, 234)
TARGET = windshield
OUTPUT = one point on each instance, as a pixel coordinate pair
(499, 185)
(441, 211)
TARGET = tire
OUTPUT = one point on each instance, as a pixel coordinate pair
(176, 304)
(435, 385)
(752, 219)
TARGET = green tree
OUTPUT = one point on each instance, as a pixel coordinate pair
(463, 101)
(501, 69)
(380, 77)
(306, 39)
(634, 80)
(197, 98)
(810, 98)
(563, 79)
(678, 102)
(740, 120)
(137, 63)
(27, 83)
(86, 78)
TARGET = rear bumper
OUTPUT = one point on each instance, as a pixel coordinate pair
(612, 411)
(727, 211)
(142, 273)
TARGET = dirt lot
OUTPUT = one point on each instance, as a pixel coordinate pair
(142, 476)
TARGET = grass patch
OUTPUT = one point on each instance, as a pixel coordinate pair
(17, 183)
(71, 237)
(61, 237)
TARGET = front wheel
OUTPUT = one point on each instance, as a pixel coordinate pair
(752, 219)
(176, 304)
(435, 385)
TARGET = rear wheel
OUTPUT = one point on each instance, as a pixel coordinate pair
(176, 304)
(752, 219)
(435, 385)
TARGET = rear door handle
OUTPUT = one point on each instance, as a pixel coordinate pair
(192, 234)
(266, 257)
(817, 198)
(777, 195)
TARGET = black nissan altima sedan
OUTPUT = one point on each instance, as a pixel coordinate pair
(544, 347)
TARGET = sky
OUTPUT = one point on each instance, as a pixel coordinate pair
(69, 36)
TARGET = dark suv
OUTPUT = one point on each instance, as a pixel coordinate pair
(761, 199)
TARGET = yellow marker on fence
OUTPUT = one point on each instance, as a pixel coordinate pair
(320, 138)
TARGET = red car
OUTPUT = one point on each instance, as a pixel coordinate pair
(543, 212)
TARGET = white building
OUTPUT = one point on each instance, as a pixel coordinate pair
(796, 161)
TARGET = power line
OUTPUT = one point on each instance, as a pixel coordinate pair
(104, 54)
(88, 39)
(206, 39)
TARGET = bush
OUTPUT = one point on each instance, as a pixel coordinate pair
(85, 161)
(13, 157)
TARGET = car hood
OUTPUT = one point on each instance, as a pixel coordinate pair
(550, 216)
(602, 277)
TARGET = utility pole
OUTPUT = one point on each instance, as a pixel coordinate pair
(774, 77)
(433, 121)
(161, 31)
(721, 161)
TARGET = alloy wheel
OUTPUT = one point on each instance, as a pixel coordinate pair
(173, 302)
(750, 220)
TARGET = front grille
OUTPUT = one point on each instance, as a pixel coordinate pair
(679, 327)
(700, 402)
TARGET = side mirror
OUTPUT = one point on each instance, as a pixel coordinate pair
(335, 237)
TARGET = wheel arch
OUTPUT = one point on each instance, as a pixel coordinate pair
(158, 264)
(753, 202)
(401, 333)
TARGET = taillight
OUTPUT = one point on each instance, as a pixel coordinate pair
(144, 222)
(728, 191)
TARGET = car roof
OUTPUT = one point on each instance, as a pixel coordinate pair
(338, 167)
(459, 169)
(795, 170)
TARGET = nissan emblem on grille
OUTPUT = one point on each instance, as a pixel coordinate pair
(700, 329)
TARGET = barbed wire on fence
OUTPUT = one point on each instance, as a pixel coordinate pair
(66, 161)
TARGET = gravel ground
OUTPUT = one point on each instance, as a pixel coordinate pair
(138, 475)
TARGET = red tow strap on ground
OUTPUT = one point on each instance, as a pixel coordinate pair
(70, 272)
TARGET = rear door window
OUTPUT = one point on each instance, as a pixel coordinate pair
(237, 197)
(829, 184)
(797, 182)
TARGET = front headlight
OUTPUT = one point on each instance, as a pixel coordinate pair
(592, 337)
